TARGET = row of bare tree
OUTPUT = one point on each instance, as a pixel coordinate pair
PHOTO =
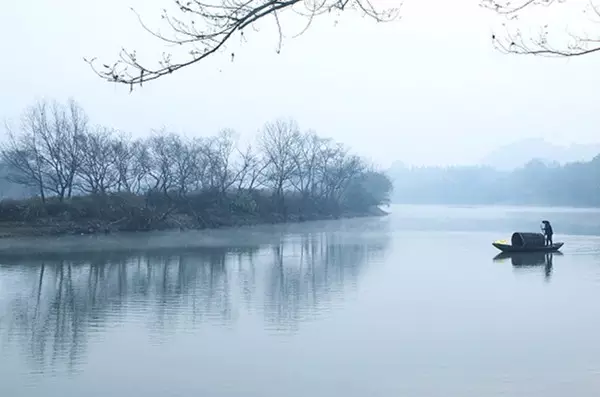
(57, 152)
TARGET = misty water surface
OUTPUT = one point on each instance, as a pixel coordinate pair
(412, 304)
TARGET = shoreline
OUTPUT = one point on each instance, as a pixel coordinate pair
(166, 240)
(14, 230)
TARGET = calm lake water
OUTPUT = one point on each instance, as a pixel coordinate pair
(413, 304)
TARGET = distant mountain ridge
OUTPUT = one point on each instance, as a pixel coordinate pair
(517, 154)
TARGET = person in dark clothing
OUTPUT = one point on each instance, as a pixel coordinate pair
(548, 232)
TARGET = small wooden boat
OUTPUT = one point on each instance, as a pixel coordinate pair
(511, 248)
(526, 242)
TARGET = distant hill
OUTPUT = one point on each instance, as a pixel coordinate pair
(574, 184)
(517, 154)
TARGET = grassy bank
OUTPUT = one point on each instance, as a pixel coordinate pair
(106, 214)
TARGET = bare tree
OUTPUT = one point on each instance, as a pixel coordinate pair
(100, 151)
(61, 131)
(201, 178)
(26, 166)
(337, 169)
(47, 150)
(187, 161)
(250, 170)
(279, 143)
(219, 153)
(130, 172)
(545, 42)
(306, 160)
(201, 28)
(70, 125)
(157, 160)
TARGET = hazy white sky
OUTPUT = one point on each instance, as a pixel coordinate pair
(427, 89)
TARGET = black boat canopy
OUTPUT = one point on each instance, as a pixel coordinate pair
(524, 239)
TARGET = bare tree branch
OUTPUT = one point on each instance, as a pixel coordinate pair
(203, 28)
(543, 42)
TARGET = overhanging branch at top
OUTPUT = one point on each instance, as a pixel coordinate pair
(204, 28)
(513, 41)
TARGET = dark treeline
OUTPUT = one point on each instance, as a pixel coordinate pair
(87, 177)
(536, 183)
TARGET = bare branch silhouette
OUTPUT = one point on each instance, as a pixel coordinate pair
(543, 42)
(202, 28)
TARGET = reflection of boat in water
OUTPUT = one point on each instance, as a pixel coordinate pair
(527, 258)
(526, 242)
(524, 260)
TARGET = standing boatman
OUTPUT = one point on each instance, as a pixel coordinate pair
(548, 232)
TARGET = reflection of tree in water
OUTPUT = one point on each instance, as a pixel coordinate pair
(245, 268)
(66, 298)
(305, 279)
(50, 319)
(72, 297)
